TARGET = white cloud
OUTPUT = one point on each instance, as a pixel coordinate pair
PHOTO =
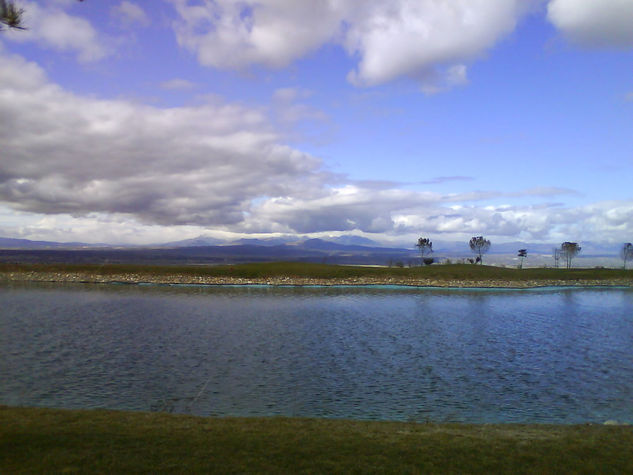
(234, 34)
(345, 208)
(594, 22)
(202, 165)
(608, 221)
(428, 40)
(104, 168)
(130, 13)
(51, 27)
(91, 228)
(417, 39)
(290, 94)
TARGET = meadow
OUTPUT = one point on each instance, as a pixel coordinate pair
(297, 270)
(98, 441)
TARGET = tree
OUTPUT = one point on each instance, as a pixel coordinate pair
(10, 15)
(556, 254)
(425, 247)
(569, 250)
(479, 246)
(522, 254)
(626, 253)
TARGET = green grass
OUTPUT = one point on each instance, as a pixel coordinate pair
(324, 271)
(48, 440)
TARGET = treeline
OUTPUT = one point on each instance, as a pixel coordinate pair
(480, 246)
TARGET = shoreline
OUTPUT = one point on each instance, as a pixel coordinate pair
(295, 281)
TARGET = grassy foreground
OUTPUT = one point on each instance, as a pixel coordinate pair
(463, 272)
(49, 440)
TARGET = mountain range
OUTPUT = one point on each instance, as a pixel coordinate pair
(205, 250)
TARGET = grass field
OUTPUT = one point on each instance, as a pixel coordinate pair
(99, 441)
(462, 272)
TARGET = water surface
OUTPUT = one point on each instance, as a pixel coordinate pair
(549, 355)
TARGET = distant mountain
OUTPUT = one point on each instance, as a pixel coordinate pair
(323, 245)
(353, 240)
(310, 250)
(513, 248)
(590, 248)
(329, 243)
(194, 242)
(460, 248)
(11, 243)
(264, 242)
(198, 251)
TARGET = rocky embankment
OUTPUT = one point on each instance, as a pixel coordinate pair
(137, 278)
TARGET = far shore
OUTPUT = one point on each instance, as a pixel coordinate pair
(301, 274)
(175, 279)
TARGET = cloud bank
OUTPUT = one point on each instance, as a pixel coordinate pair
(89, 162)
(66, 154)
(101, 168)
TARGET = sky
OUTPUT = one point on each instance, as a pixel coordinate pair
(140, 122)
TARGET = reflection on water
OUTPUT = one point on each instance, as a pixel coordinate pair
(554, 355)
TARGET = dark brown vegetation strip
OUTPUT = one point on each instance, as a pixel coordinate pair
(48, 440)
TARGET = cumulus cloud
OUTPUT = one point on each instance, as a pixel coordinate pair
(231, 34)
(345, 208)
(62, 153)
(52, 27)
(290, 94)
(417, 39)
(131, 14)
(594, 23)
(97, 167)
(111, 228)
(386, 209)
(610, 221)
(428, 40)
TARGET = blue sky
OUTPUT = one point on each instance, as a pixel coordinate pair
(144, 122)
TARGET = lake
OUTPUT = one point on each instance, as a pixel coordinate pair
(556, 355)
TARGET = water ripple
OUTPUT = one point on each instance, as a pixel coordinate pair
(550, 355)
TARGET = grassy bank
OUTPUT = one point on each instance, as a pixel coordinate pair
(47, 440)
(457, 272)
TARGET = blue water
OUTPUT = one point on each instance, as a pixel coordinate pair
(549, 355)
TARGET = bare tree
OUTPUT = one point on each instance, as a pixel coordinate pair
(569, 250)
(425, 246)
(626, 253)
(479, 246)
(522, 255)
(10, 15)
